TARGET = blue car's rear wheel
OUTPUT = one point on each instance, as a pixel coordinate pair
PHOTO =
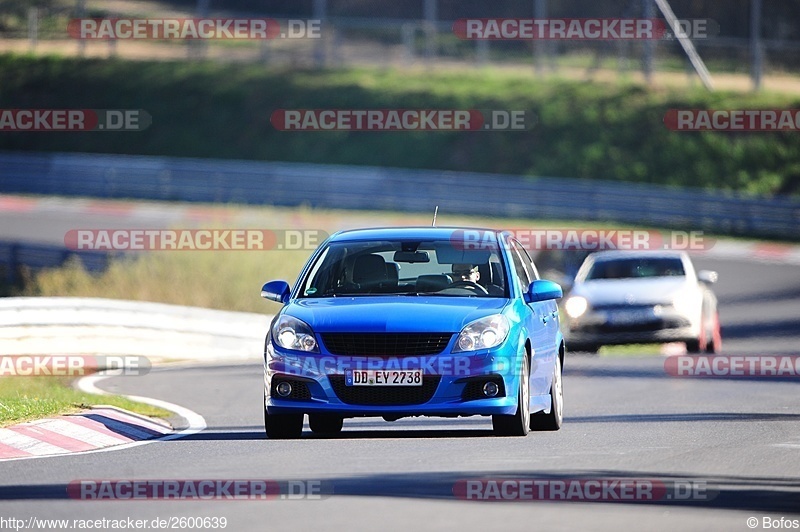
(517, 424)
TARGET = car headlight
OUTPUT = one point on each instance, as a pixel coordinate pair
(482, 334)
(576, 306)
(291, 333)
(684, 304)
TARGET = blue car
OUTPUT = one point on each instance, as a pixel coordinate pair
(414, 321)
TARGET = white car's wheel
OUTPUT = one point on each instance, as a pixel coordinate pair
(589, 349)
(714, 343)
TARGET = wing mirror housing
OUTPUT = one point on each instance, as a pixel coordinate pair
(543, 290)
(707, 276)
(277, 291)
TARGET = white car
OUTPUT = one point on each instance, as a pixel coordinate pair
(627, 297)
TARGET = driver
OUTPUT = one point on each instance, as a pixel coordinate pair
(466, 272)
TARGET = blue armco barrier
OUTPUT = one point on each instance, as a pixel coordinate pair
(13, 255)
(358, 187)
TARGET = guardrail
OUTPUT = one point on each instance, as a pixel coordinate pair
(13, 255)
(73, 325)
(359, 187)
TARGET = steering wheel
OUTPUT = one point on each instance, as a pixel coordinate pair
(469, 285)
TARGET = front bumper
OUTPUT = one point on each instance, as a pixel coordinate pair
(449, 384)
(627, 326)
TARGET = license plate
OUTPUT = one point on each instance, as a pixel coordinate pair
(628, 317)
(380, 377)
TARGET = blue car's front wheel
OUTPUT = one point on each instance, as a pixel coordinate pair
(283, 426)
(517, 424)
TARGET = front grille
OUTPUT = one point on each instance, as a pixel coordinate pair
(385, 395)
(623, 306)
(300, 391)
(474, 388)
(650, 326)
(386, 344)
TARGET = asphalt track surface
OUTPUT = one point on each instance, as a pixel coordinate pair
(736, 439)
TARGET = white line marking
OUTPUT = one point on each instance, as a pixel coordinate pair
(196, 422)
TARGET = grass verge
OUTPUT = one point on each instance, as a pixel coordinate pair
(28, 398)
(635, 350)
(588, 130)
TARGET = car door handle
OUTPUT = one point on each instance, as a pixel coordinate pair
(544, 318)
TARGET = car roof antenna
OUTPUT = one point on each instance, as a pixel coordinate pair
(436, 210)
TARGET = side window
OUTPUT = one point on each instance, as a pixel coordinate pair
(523, 278)
(318, 279)
(530, 266)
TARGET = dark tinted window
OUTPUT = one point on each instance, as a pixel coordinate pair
(404, 267)
(635, 268)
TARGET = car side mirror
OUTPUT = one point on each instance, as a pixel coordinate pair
(543, 290)
(276, 291)
(707, 276)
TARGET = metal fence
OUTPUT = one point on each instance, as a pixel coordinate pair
(369, 188)
(398, 40)
(373, 188)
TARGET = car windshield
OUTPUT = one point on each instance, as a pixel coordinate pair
(386, 267)
(634, 268)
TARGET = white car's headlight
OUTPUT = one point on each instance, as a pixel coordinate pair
(684, 304)
(484, 333)
(576, 306)
(291, 333)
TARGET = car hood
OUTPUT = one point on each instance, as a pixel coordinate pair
(392, 313)
(655, 290)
